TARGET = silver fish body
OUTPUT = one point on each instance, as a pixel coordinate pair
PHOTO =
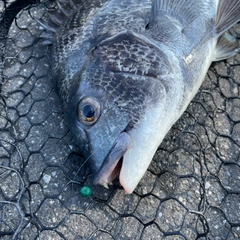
(127, 70)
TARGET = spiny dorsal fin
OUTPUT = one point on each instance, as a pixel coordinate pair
(57, 16)
(46, 26)
(228, 14)
(182, 10)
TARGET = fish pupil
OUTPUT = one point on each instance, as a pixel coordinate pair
(88, 112)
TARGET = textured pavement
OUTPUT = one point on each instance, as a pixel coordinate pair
(192, 187)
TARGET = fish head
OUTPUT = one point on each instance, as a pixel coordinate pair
(118, 108)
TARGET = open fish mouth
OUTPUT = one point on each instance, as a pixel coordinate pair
(112, 165)
(109, 173)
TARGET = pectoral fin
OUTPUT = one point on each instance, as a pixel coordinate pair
(227, 47)
(228, 14)
(181, 10)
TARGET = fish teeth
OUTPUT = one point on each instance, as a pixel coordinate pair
(105, 184)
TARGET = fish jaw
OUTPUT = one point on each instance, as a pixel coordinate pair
(146, 139)
(130, 157)
(109, 170)
(134, 149)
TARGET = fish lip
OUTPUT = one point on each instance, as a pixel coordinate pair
(108, 171)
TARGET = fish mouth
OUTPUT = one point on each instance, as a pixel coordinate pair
(112, 165)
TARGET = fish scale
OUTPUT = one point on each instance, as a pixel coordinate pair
(135, 57)
(136, 65)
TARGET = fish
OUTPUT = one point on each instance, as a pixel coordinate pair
(125, 72)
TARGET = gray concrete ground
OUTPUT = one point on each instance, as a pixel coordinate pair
(192, 187)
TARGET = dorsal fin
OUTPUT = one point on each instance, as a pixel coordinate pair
(62, 12)
(182, 10)
(228, 14)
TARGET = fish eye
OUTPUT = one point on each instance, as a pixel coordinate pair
(88, 110)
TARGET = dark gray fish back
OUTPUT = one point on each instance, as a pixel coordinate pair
(84, 25)
(68, 22)
(70, 27)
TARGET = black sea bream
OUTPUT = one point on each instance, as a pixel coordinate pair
(126, 70)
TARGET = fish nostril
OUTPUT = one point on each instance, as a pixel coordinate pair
(93, 51)
(147, 26)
